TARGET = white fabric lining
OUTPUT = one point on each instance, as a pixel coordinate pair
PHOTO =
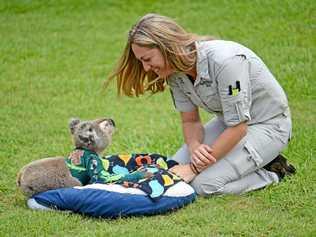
(180, 189)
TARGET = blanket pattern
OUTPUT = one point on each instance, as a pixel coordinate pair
(148, 172)
(152, 168)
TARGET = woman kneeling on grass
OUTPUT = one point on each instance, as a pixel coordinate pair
(237, 151)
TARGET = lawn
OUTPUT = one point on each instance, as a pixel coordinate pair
(54, 58)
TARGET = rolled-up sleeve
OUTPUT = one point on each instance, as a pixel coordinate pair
(181, 101)
(234, 90)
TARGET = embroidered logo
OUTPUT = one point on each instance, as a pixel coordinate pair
(234, 91)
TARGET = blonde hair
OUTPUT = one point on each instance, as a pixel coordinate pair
(154, 31)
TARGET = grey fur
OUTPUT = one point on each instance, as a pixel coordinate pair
(45, 174)
(52, 173)
(72, 124)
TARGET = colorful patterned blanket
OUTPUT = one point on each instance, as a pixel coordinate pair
(148, 172)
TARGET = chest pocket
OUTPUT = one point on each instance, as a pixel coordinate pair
(209, 97)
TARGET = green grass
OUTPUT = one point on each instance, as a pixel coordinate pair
(54, 57)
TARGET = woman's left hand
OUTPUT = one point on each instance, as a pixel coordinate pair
(202, 157)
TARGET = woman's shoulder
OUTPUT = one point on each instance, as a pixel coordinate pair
(218, 51)
(218, 44)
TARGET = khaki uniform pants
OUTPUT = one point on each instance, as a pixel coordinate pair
(241, 169)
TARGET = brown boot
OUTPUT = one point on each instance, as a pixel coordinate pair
(280, 166)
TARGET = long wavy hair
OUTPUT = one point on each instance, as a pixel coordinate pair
(154, 31)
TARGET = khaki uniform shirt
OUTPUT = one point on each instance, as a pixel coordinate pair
(233, 82)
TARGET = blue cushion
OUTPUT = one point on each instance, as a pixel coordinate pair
(111, 201)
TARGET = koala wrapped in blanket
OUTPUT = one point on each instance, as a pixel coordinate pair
(84, 165)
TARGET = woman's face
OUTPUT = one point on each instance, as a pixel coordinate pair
(152, 60)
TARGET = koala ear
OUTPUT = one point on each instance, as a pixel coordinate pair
(73, 123)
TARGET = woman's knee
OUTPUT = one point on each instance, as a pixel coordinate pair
(213, 179)
(206, 187)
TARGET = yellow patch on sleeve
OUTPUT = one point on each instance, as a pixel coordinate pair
(235, 92)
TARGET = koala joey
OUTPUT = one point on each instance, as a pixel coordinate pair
(81, 167)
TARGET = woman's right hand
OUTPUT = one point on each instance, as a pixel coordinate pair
(201, 156)
(193, 131)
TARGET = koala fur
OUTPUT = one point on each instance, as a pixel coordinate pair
(52, 173)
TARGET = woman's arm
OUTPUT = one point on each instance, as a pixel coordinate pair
(228, 139)
(203, 155)
(193, 132)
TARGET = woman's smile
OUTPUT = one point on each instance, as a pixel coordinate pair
(152, 60)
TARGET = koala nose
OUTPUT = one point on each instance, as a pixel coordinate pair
(112, 122)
